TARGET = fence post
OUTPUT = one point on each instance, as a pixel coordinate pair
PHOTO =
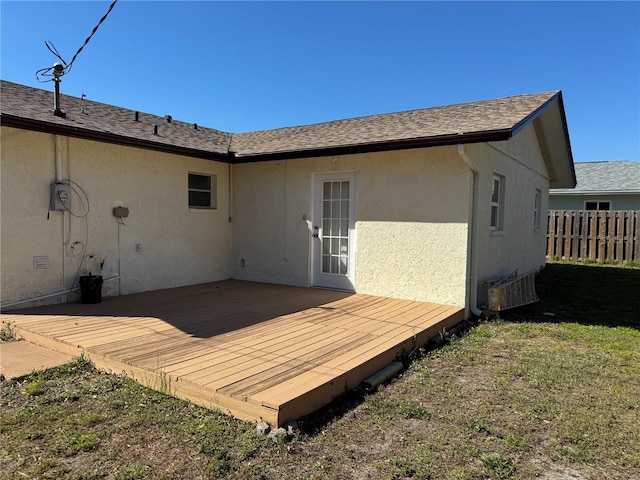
(584, 235)
(575, 234)
(611, 235)
(619, 237)
(551, 233)
(636, 236)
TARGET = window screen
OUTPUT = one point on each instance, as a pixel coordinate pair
(497, 202)
(202, 191)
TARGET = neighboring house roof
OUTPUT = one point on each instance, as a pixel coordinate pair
(604, 178)
(490, 120)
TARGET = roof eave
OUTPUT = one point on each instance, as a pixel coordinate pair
(404, 144)
(106, 137)
(593, 193)
(553, 135)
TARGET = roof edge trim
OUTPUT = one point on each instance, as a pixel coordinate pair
(535, 114)
(444, 140)
(44, 127)
(592, 193)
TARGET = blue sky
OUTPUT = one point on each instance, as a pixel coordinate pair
(241, 66)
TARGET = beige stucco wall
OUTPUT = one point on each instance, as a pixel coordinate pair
(411, 225)
(162, 245)
(413, 213)
(519, 246)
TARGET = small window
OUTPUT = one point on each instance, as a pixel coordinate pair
(497, 203)
(536, 209)
(202, 191)
(600, 205)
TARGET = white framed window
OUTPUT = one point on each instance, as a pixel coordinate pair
(536, 209)
(203, 191)
(597, 205)
(497, 203)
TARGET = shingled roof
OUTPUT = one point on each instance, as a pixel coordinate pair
(602, 178)
(32, 109)
(467, 122)
(490, 120)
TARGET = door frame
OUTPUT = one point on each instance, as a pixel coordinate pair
(319, 279)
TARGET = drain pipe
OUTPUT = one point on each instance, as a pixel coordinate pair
(49, 295)
(473, 234)
(383, 375)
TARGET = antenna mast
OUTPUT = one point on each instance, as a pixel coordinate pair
(58, 71)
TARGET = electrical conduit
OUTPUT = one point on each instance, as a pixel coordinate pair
(58, 166)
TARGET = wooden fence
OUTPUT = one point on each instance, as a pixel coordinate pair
(601, 236)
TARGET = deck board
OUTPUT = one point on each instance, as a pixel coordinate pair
(257, 351)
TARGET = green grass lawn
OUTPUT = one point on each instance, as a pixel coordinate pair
(588, 295)
(527, 396)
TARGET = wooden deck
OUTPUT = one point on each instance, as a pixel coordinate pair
(253, 350)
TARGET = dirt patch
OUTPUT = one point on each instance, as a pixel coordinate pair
(550, 471)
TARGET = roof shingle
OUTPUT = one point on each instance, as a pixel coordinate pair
(476, 121)
(84, 116)
(607, 177)
(500, 115)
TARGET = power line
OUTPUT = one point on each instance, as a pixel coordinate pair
(49, 71)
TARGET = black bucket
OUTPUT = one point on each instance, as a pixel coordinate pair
(90, 289)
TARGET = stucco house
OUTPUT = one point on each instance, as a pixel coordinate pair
(607, 185)
(422, 205)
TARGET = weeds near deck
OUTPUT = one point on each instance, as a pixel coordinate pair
(7, 333)
(160, 380)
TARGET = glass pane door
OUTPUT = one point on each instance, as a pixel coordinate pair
(335, 228)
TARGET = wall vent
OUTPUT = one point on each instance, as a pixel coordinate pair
(40, 262)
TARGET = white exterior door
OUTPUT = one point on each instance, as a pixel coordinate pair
(334, 230)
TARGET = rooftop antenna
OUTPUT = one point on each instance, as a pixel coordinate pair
(58, 70)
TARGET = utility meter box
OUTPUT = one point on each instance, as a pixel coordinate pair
(60, 197)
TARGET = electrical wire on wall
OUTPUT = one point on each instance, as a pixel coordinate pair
(61, 189)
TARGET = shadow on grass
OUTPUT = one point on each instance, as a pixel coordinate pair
(585, 294)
